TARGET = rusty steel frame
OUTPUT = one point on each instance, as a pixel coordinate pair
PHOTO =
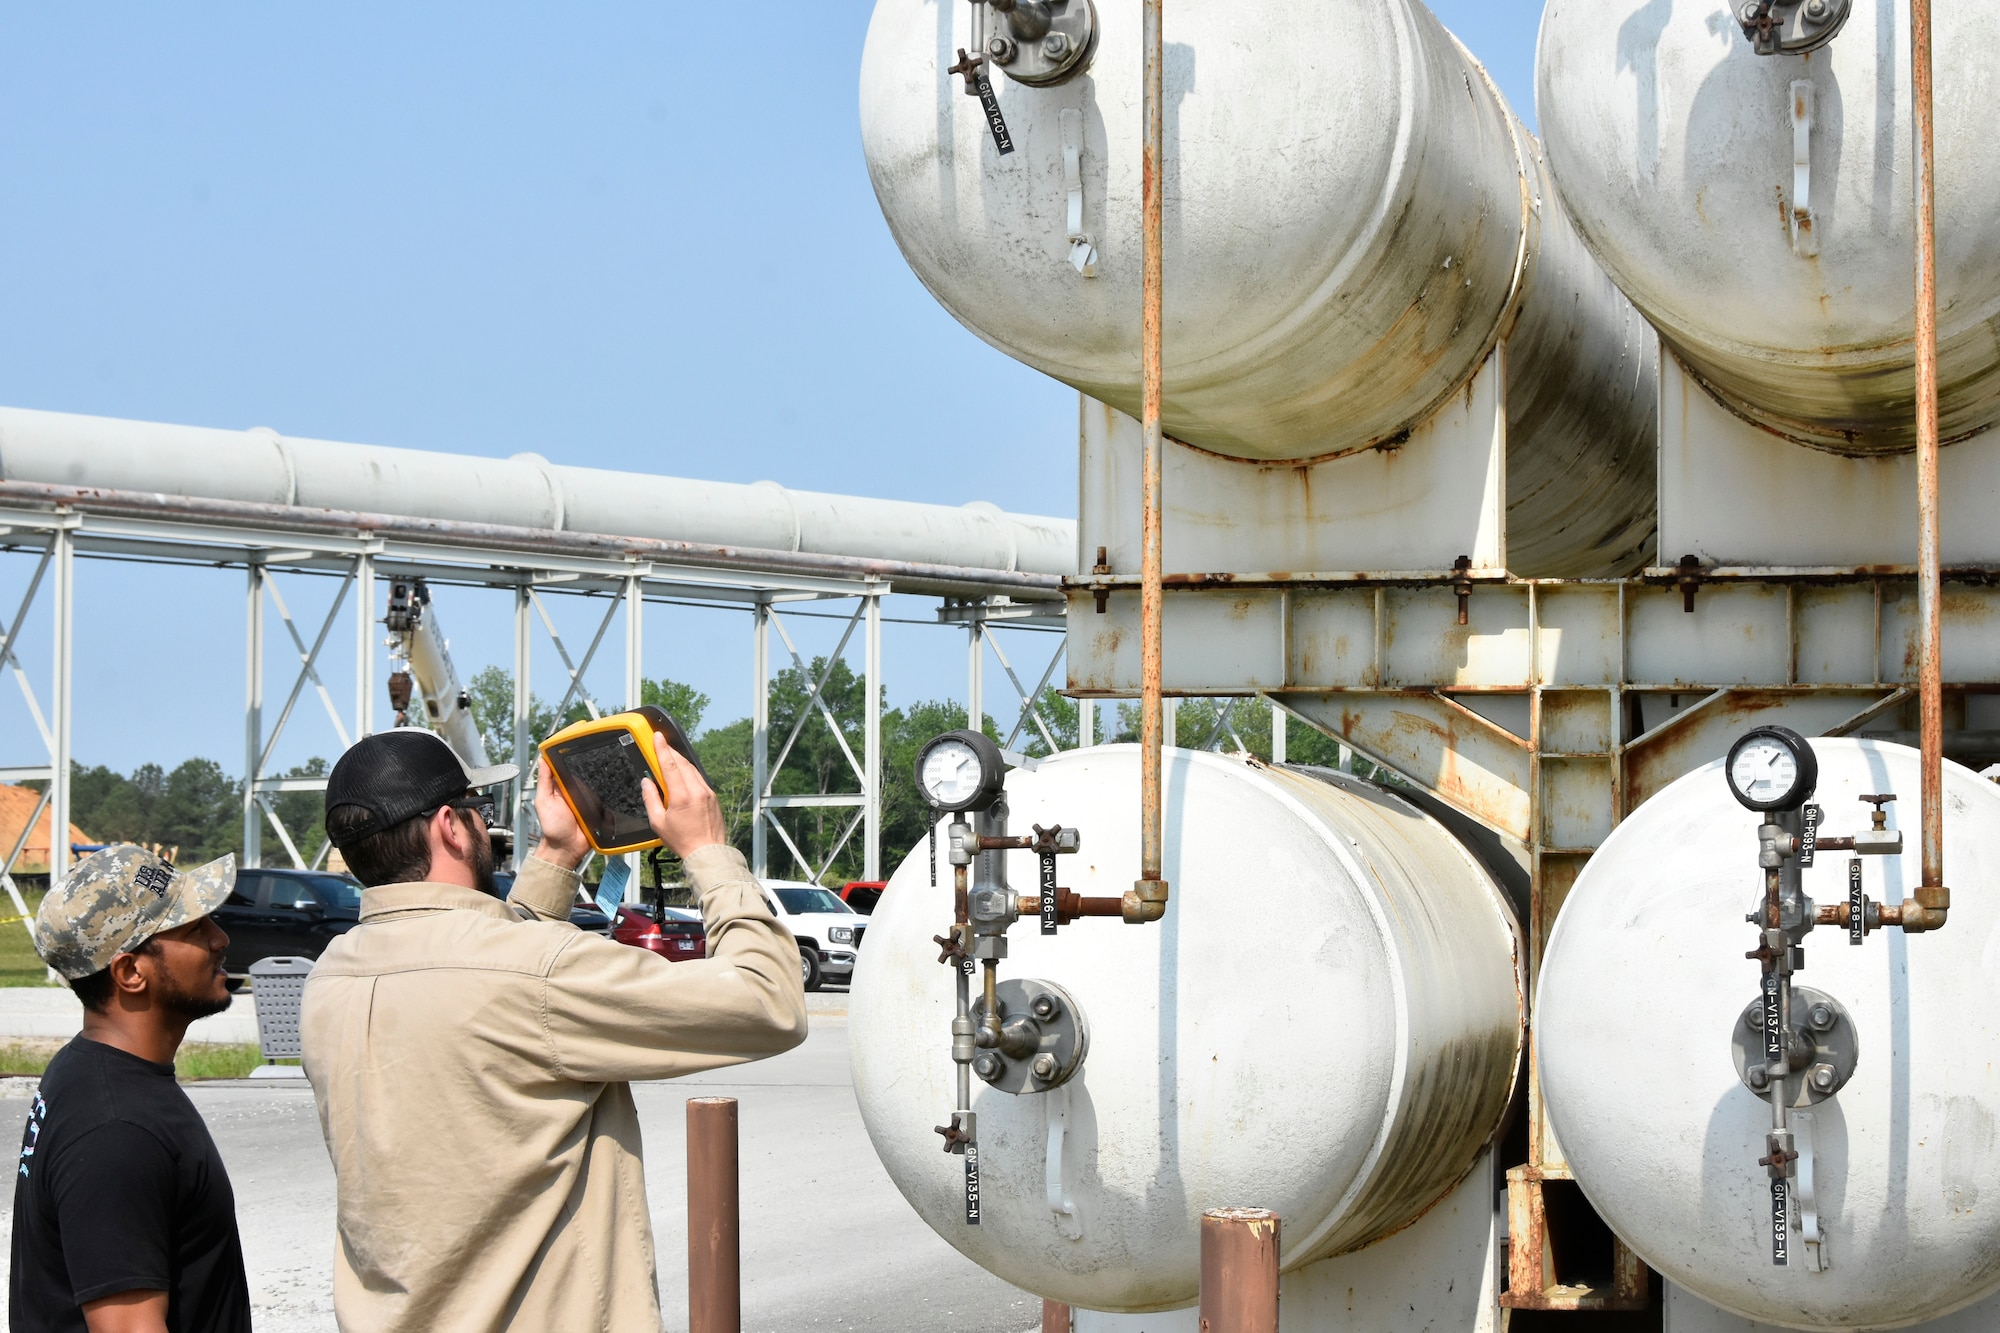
(1552, 715)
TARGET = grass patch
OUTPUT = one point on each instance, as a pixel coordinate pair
(20, 965)
(202, 1059)
(196, 1059)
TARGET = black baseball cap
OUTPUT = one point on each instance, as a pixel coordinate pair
(395, 775)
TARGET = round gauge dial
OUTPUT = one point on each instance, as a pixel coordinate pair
(960, 770)
(1772, 768)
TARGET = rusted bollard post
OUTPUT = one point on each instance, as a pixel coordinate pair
(715, 1275)
(1055, 1317)
(1239, 1271)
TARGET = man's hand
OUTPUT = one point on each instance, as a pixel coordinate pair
(563, 843)
(691, 819)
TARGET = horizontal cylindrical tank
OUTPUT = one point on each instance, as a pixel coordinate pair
(1678, 151)
(262, 466)
(1354, 219)
(1327, 1023)
(1644, 984)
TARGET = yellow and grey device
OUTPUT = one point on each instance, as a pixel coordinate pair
(598, 765)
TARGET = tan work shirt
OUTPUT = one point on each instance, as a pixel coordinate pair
(471, 1071)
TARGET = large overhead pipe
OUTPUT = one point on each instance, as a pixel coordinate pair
(1933, 899)
(1148, 899)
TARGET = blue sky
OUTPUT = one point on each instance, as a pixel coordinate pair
(601, 232)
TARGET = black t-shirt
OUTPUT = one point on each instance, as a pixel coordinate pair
(120, 1188)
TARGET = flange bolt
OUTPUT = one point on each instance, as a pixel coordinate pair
(1759, 1077)
(1822, 1018)
(1044, 1007)
(1002, 50)
(987, 1066)
(1045, 1066)
(1055, 46)
(1823, 1078)
(1816, 9)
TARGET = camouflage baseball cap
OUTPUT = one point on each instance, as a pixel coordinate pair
(116, 899)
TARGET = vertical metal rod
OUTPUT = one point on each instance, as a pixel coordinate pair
(523, 699)
(1151, 888)
(253, 718)
(1239, 1270)
(635, 641)
(364, 645)
(1278, 723)
(62, 705)
(760, 736)
(1055, 1317)
(975, 671)
(1930, 708)
(1086, 723)
(871, 754)
(715, 1274)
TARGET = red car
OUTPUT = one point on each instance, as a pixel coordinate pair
(863, 894)
(678, 937)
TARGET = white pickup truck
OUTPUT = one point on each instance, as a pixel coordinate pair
(827, 929)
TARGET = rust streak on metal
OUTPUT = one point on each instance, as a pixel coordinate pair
(1055, 1317)
(715, 1285)
(1239, 1271)
(1932, 897)
(1532, 1282)
(1147, 900)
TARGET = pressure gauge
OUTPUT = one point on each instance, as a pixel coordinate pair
(1772, 768)
(960, 770)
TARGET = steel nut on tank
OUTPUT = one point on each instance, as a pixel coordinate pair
(1759, 209)
(1335, 972)
(1664, 1135)
(1343, 253)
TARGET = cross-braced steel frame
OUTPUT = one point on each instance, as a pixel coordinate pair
(52, 539)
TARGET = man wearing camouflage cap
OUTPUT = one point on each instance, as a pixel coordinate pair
(124, 1221)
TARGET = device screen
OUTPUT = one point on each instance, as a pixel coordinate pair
(602, 772)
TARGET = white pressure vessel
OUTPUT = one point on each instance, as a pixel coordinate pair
(1353, 217)
(1644, 985)
(1327, 1022)
(1678, 151)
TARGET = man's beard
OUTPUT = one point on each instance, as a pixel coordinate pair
(482, 857)
(168, 996)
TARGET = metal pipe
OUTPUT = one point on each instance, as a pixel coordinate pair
(1932, 899)
(63, 703)
(715, 1274)
(1148, 899)
(1056, 1317)
(908, 575)
(1239, 1270)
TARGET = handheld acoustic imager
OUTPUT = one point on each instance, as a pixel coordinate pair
(598, 765)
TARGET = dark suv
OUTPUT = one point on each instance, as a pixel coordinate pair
(285, 913)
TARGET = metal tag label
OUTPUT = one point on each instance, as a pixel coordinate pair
(1857, 904)
(1809, 836)
(1781, 1223)
(1048, 893)
(972, 1184)
(994, 120)
(1774, 1041)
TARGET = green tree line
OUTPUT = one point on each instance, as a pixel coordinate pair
(198, 808)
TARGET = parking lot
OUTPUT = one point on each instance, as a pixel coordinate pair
(828, 1243)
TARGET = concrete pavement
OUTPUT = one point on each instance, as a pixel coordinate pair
(828, 1243)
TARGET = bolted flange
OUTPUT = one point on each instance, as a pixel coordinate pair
(1045, 41)
(1821, 1050)
(1043, 1038)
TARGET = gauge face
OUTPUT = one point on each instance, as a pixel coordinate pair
(960, 770)
(952, 773)
(1772, 769)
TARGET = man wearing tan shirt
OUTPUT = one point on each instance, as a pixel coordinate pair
(471, 1057)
